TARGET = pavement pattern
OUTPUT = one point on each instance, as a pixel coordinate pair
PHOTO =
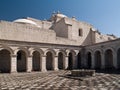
(58, 80)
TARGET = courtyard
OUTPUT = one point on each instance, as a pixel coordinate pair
(58, 80)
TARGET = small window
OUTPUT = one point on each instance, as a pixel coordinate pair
(19, 56)
(80, 32)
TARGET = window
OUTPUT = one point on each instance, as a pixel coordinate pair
(19, 56)
(80, 32)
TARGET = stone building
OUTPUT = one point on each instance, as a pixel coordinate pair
(29, 44)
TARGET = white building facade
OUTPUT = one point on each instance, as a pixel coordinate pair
(59, 43)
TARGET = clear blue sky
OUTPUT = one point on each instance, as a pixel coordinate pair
(103, 14)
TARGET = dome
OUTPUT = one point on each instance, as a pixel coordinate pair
(61, 15)
(26, 21)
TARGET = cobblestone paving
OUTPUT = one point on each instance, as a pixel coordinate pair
(57, 81)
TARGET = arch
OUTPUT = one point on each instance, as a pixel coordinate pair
(36, 61)
(49, 60)
(38, 50)
(97, 59)
(70, 60)
(7, 48)
(79, 60)
(61, 60)
(118, 58)
(21, 61)
(5, 61)
(50, 50)
(109, 59)
(70, 51)
(22, 49)
(89, 60)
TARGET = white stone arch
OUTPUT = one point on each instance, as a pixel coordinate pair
(50, 59)
(97, 58)
(89, 50)
(50, 50)
(36, 54)
(23, 49)
(61, 54)
(5, 59)
(22, 62)
(109, 62)
(100, 50)
(109, 48)
(62, 51)
(7, 48)
(70, 51)
(71, 59)
(36, 49)
(89, 58)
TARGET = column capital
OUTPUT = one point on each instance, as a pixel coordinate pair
(30, 56)
(13, 55)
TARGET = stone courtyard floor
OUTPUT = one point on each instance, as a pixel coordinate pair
(58, 80)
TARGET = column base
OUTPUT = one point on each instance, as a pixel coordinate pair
(13, 72)
(43, 70)
(56, 69)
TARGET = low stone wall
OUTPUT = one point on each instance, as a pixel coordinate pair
(82, 73)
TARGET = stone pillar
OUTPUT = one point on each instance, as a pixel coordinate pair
(55, 63)
(92, 61)
(66, 63)
(115, 60)
(29, 63)
(43, 64)
(13, 63)
(102, 61)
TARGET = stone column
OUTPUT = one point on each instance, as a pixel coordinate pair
(93, 61)
(13, 63)
(55, 63)
(43, 64)
(29, 63)
(102, 61)
(115, 60)
(66, 63)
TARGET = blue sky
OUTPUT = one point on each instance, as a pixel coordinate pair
(102, 14)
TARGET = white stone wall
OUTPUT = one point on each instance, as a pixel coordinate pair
(21, 32)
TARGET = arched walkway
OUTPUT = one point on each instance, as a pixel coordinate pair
(21, 61)
(89, 60)
(49, 60)
(108, 59)
(5, 61)
(61, 59)
(36, 61)
(97, 60)
(118, 58)
(79, 60)
(70, 61)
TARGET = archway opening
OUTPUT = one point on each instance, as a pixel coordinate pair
(118, 58)
(89, 60)
(109, 59)
(21, 61)
(97, 60)
(79, 61)
(49, 61)
(5, 61)
(60, 60)
(36, 61)
(70, 61)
